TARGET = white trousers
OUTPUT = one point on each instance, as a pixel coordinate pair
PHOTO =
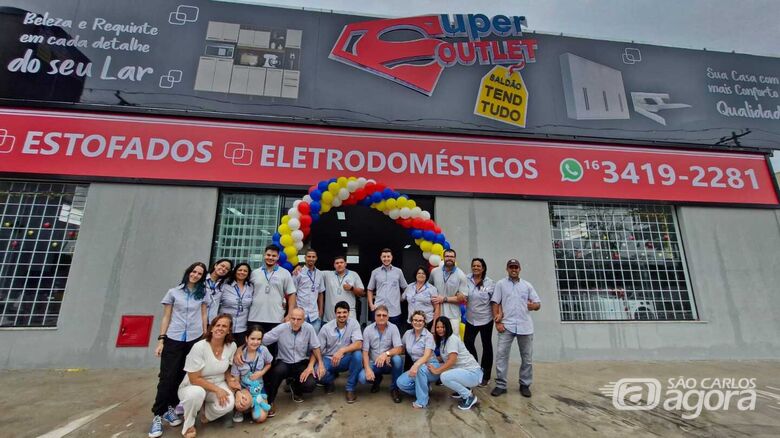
(194, 397)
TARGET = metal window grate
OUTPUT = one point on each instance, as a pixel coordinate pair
(620, 262)
(246, 223)
(38, 231)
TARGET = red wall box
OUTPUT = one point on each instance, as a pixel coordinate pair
(134, 331)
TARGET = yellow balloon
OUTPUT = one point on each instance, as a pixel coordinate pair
(410, 204)
(327, 199)
(352, 178)
(462, 331)
(293, 260)
(418, 241)
(437, 249)
(284, 229)
(326, 208)
(400, 202)
(333, 188)
(381, 206)
(286, 240)
(290, 252)
(426, 245)
(390, 203)
(285, 219)
(342, 182)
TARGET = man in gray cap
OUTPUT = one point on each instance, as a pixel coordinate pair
(513, 300)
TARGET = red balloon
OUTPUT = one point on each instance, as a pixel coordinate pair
(359, 194)
(406, 223)
(379, 187)
(436, 229)
(305, 221)
(418, 223)
(429, 225)
(312, 188)
(304, 208)
(306, 231)
(369, 188)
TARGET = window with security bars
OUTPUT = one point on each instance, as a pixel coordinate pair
(620, 262)
(246, 223)
(39, 227)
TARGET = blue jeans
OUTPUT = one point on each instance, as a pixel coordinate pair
(461, 381)
(418, 385)
(352, 362)
(317, 324)
(395, 369)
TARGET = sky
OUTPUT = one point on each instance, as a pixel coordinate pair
(743, 26)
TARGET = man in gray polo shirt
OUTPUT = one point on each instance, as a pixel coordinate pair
(513, 299)
(453, 289)
(299, 347)
(341, 342)
(341, 284)
(382, 353)
(386, 284)
(310, 286)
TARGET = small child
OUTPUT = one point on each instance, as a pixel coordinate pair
(257, 361)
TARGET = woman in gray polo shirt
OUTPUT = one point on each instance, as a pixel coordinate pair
(459, 370)
(419, 343)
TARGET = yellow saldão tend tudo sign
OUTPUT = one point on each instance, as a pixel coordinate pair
(503, 97)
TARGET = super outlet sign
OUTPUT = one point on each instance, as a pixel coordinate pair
(130, 147)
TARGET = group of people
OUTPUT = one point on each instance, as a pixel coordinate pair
(231, 336)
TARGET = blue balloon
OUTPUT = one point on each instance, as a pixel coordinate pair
(316, 194)
(376, 197)
(447, 245)
(387, 193)
(396, 194)
(323, 186)
(366, 201)
(288, 266)
(314, 217)
(429, 235)
(282, 257)
(333, 180)
(417, 234)
(315, 207)
(276, 237)
(440, 238)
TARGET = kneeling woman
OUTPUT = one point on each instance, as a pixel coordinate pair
(419, 344)
(459, 371)
(208, 376)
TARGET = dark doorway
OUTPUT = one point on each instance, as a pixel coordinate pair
(360, 233)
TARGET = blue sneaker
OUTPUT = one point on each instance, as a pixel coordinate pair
(171, 417)
(466, 403)
(156, 429)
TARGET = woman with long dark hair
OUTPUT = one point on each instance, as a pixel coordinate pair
(479, 316)
(208, 386)
(219, 270)
(236, 294)
(183, 324)
(419, 296)
(458, 371)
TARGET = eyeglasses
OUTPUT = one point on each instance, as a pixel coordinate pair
(418, 321)
(380, 315)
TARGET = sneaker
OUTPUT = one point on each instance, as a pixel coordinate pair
(484, 383)
(396, 395)
(497, 391)
(272, 412)
(466, 404)
(156, 429)
(416, 406)
(350, 397)
(238, 417)
(179, 409)
(454, 395)
(171, 418)
(525, 390)
(295, 397)
(375, 387)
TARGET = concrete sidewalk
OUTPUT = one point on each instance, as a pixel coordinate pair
(567, 402)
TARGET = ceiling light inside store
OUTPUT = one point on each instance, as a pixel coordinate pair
(344, 245)
(343, 234)
(341, 216)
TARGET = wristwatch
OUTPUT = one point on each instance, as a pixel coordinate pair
(161, 337)
(387, 353)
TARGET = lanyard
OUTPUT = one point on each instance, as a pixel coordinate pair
(252, 365)
(212, 285)
(312, 277)
(340, 334)
(341, 281)
(268, 279)
(414, 297)
(240, 298)
(446, 279)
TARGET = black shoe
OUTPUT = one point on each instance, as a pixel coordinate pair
(484, 383)
(455, 395)
(329, 388)
(396, 395)
(375, 387)
(296, 397)
(525, 390)
(497, 391)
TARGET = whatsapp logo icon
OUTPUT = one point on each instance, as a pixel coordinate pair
(571, 170)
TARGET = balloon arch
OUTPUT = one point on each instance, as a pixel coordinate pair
(344, 191)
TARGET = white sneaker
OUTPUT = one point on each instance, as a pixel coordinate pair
(238, 417)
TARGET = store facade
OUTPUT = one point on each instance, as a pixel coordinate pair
(631, 181)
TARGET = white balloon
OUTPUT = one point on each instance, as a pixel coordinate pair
(352, 186)
(362, 182)
(435, 260)
(336, 202)
(307, 199)
(294, 213)
(296, 204)
(425, 215)
(416, 212)
(297, 236)
(294, 224)
(298, 245)
(405, 213)
(343, 193)
(426, 255)
(370, 180)
(394, 214)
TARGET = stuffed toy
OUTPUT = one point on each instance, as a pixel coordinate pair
(259, 398)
